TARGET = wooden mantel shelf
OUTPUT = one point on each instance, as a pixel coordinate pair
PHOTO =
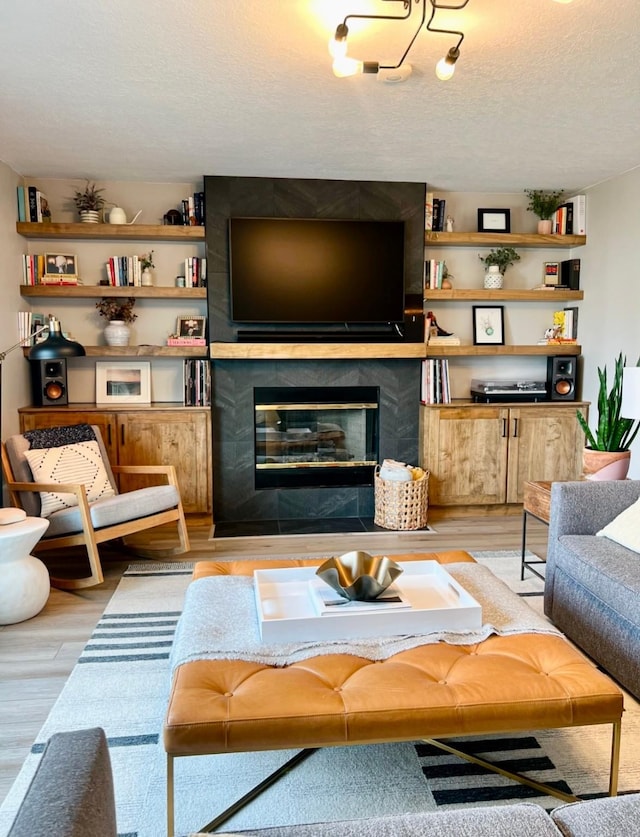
(98, 291)
(476, 239)
(153, 232)
(315, 351)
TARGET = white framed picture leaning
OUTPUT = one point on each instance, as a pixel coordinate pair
(123, 382)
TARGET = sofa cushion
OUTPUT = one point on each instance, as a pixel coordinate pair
(609, 571)
(77, 463)
(118, 509)
(625, 528)
(609, 817)
(522, 820)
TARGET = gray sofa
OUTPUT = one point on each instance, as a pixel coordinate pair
(592, 587)
(71, 795)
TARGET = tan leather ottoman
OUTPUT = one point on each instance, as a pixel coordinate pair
(503, 684)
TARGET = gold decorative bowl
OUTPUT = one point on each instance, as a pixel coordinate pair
(358, 576)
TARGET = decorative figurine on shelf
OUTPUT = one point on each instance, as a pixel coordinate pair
(449, 223)
(435, 329)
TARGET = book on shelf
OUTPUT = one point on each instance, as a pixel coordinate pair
(439, 209)
(193, 210)
(186, 341)
(579, 204)
(434, 383)
(197, 383)
(428, 211)
(570, 329)
(195, 272)
(124, 271)
(443, 340)
(433, 274)
(570, 274)
(22, 204)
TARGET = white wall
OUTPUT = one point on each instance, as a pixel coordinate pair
(610, 316)
(15, 370)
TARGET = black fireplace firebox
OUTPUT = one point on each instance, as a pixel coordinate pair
(315, 436)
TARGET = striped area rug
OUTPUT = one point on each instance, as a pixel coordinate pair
(121, 683)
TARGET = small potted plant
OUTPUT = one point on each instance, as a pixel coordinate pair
(606, 455)
(544, 204)
(89, 203)
(146, 263)
(496, 264)
(119, 312)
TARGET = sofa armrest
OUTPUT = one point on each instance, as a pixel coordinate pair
(583, 508)
(610, 815)
(71, 793)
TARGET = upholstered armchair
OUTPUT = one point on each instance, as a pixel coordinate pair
(64, 474)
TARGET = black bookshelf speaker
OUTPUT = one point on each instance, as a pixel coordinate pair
(49, 382)
(561, 378)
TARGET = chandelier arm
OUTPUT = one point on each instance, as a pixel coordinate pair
(411, 42)
(407, 5)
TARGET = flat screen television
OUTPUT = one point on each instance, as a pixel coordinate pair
(305, 271)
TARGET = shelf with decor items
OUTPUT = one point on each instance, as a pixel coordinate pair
(475, 239)
(546, 350)
(156, 434)
(482, 454)
(508, 295)
(99, 291)
(150, 232)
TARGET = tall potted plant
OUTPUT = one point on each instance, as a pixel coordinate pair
(544, 204)
(89, 203)
(606, 455)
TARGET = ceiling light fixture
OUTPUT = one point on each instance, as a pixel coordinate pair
(344, 66)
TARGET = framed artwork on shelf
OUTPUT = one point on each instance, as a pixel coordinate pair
(61, 265)
(488, 325)
(551, 273)
(494, 220)
(191, 326)
(126, 382)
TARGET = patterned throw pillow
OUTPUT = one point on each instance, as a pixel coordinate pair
(79, 463)
(625, 528)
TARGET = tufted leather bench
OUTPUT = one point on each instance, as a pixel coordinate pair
(504, 684)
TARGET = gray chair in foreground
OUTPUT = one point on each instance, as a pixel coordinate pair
(83, 521)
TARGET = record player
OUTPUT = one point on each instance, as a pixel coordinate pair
(491, 392)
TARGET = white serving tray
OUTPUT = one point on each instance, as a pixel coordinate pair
(286, 610)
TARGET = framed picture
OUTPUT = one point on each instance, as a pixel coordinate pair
(551, 273)
(191, 326)
(123, 382)
(494, 220)
(488, 325)
(60, 264)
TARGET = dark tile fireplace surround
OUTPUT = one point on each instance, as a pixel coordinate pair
(237, 503)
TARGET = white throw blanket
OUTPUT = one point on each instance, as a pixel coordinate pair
(220, 622)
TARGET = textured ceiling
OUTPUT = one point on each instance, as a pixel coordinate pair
(545, 94)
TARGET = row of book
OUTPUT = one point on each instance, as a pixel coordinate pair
(193, 210)
(197, 383)
(434, 382)
(32, 205)
(195, 272)
(124, 271)
(32, 328)
(434, 273)
(435, 213)
(570, 218)
(34, 271)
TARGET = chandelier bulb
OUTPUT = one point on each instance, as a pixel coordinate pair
(446, 66)
(338, 44)
(345, 66)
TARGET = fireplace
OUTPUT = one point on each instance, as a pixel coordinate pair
(315, 436)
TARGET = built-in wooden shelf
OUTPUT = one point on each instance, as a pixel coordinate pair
(98, 291)
(471, 239)
(553, 295)
(152, 232)
(315, 351)
(475, 351)
(141, 351)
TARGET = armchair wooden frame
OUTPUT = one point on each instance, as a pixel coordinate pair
(90, 537)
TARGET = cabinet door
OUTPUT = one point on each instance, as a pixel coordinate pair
(181, 439)
(545, 443)
(47, 417)
(465, 451)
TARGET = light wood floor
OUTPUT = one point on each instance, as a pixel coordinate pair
(37, 656)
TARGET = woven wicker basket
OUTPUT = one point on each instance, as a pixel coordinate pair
(401, 505)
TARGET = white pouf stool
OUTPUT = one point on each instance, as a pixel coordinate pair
(24, 580)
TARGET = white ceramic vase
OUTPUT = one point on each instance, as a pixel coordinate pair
(493, 278)
(117, 333)
(544, 227)
(146, 279)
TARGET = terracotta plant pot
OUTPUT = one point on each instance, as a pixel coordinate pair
(544, 227)
(605, 464)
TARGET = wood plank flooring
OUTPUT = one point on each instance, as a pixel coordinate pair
(37, 656)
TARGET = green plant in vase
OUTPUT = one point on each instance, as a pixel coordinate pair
(500, 258)
(614, 434)
(543, 204)
(89, 203)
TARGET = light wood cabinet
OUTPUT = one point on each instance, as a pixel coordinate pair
(482, 454)
(155, 435)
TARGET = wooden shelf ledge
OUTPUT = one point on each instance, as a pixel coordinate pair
(152, 232)
(513, 295)
(471, 239)
(315, 351)
(98, 291)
